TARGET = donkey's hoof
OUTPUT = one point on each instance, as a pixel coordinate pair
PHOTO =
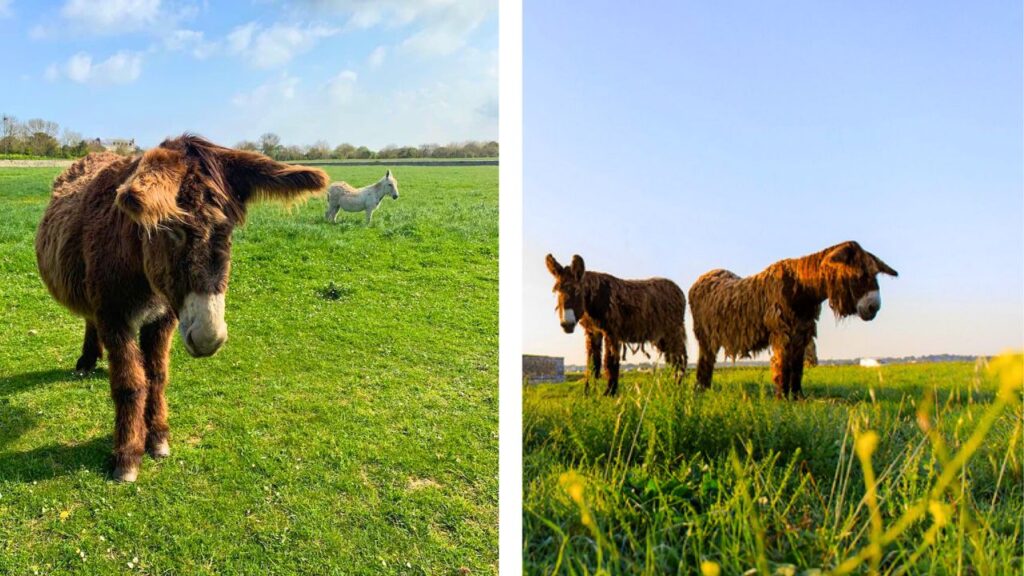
(84, 366)
(161, 449)
(126, 474)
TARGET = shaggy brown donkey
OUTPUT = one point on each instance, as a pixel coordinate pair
(779, 307)
(137, 245)
(620, 312)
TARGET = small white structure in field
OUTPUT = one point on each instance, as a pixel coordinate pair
(869, 363)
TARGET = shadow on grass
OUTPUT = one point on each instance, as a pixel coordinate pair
(14, 421)
(57, 460)
(10, 385)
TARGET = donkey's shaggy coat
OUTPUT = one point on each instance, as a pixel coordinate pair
(135, 245)
(344, 196)
(620, 312)
(779, 307)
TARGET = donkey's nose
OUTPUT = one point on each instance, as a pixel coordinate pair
(868, 305)
(202, 343)
(569, 327)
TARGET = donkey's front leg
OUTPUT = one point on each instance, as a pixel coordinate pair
(128, 389)
(612, 350)
(155, 340)
(369, 214)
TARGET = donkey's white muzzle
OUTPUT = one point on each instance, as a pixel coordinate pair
(868, 305)
(568, 320)
(201, 324)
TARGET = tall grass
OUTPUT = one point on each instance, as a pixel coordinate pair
(904, 469)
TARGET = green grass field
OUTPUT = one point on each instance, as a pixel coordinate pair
(349, 426)
(664, 480)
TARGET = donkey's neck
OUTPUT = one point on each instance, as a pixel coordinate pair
(807, 273)
(375, 190)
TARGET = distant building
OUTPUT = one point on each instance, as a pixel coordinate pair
(869, 363)
(543, 368)
(119, 145)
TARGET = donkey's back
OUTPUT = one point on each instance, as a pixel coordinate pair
(79, 197)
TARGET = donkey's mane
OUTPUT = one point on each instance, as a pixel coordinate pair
(207, 159)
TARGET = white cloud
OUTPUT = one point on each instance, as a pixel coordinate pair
(377, 57)
(269, 95)
(276, 45)
(111, 16)
(5, 8)
(192, 41)
(121, 68)
(342, 87)
(240, 38)
(442, 27)
(459, 104)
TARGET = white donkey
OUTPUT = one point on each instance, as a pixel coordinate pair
(343, 196)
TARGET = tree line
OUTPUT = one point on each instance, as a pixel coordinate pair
(270, 144)
(38, 137)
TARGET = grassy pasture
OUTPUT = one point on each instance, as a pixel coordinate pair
(665, 480)
(349, 426)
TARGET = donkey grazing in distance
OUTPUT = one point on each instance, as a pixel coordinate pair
(779, 307)
(342, 196)
(138, 246)
(620, 312)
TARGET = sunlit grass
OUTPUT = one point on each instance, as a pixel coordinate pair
(349, 426)
(880, 471)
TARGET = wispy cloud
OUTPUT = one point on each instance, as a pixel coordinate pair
(111, 16)
(460, 105)
(377, 57)
(268, 95)
(191, 41)
(439, 27)
(276, 45)
(5, 8)
(122, 68)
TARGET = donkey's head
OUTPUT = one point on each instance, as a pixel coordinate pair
(187, 195)
(850, 276)
(390, 185)
(569, 287)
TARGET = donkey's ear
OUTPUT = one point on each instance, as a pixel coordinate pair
(253, 176)
(388, 175)
(883, 267)
(845, 253)
(577, 266)
(150, 194)
(553, 266)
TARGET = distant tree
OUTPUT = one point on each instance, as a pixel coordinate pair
(76, 150)
(319, 150)
(471, 150)
(363, 153)
(269, 144)
(248, 145)
(38, 125)
(343, 151)
(291, 152)
(42, 144)
(70, 138)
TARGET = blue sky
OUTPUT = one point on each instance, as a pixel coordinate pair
(369, 73)
(671, 138)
